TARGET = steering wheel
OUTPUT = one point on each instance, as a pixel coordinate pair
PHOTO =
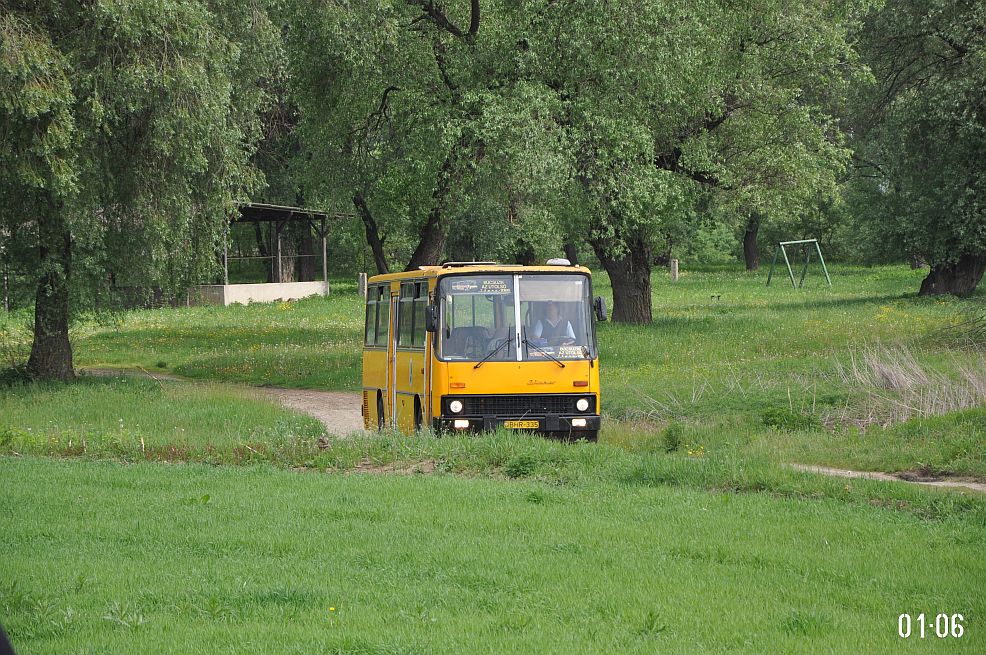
(496, 343)
(561, 341)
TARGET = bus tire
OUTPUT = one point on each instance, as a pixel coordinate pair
(380, 414)
(418, 417)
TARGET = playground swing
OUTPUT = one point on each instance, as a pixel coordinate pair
(806, 248)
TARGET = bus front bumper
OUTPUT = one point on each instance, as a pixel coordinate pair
(572, 425)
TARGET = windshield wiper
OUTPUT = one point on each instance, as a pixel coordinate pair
(492, 354)
(542, 350)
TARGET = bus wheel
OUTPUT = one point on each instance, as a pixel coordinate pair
(418, 419)
(380, 417)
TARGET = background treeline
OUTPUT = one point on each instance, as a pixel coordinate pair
(621, 132)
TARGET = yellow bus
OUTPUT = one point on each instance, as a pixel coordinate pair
(473, 346)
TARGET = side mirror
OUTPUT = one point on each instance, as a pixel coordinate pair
(431, 318)
(599, 306)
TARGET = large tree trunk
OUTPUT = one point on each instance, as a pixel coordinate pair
(431, 243)
(372, 233)
(526, 255)
(306, 263)
(630, 277)
(51, 352)
(289, 259)
(957, 278)
(750, 251)
(262, 243)
(572, 253)
(431, 238)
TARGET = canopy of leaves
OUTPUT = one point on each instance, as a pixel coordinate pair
(134, 122)
(921, 129)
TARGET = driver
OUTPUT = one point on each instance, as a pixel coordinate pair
(553, 325)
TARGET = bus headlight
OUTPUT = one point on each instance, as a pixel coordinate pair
(455, 406)
(582, 404)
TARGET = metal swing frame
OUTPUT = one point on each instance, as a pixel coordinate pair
(806, 245)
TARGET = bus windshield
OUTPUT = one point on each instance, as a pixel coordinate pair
(488, 316)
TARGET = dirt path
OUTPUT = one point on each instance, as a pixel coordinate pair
(955, 483)
(339, 411)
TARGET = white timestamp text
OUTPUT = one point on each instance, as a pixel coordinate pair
(930, 625)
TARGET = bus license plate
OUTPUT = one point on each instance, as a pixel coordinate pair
(522, 425)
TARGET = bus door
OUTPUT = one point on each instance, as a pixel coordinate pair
(392, 360)
(409, 363)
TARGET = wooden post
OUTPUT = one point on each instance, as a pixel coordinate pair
(226, 257)
(278, 268)
(361, 284)
(674, 270)
(325, 261)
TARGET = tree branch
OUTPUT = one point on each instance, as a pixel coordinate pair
(671, 161)
(436, 14)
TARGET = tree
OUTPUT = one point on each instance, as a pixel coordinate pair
(920, 135)
(127, 131)
(393, 139)
(666, 102)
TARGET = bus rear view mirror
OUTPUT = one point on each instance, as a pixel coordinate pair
(599, 305)
(431, 318)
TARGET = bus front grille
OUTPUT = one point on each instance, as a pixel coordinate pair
(532, 405)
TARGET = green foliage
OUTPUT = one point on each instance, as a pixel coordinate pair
(783, 418)
(520, 466)
(920, 132)
(128, 130)
(671, 437)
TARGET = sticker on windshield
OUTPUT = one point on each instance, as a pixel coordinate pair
(485, 286)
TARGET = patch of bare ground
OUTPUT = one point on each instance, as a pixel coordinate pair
(922, 477)
(339, 411)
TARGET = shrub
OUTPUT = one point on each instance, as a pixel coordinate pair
(671, 437)
(782, 418)
(520, 466)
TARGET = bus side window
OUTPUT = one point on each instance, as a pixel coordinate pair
(383, 316)
(420, 302)
(405, 316)
(370, 327)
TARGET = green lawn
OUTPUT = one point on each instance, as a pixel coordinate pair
(118, 415)
(146, 516)
(104, 557)
(814, 375)
(314, 343)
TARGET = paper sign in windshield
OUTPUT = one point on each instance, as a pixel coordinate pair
(486, 286)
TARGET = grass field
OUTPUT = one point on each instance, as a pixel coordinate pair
(147, 516)
(816, 375)
(117, 414)
(185, 558)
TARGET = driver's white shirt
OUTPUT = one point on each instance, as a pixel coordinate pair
(539, 328)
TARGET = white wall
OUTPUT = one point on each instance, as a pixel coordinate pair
(218, 294)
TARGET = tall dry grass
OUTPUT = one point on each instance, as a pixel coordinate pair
(890, 385)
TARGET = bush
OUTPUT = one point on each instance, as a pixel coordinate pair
(520, 466)
(671, 437)
(782, 418)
